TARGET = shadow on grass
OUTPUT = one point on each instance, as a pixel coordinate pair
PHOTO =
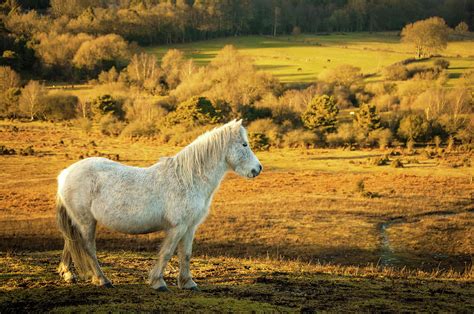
(263, 291)
(43, 235)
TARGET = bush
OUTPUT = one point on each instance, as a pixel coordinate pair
(345, 135)
(441, 63)
(85, 125)
(193, 112)
(300, 138)
(139, 128)
(59, 106)
(397, 163)
(381, 137)
(259, 141)
(379, 161)
(268, 128)
(110, 125)
(396, 72)
(105, 104)
(342, 75)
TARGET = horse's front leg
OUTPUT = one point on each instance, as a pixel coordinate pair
(185, 247)
(166, 252)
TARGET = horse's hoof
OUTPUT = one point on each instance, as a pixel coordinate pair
(195, 289)
(163, 289)
(108, 285)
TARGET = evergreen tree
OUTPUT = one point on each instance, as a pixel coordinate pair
(321, 114)
(367, 118)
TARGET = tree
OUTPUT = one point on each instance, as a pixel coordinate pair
(8, 79)
(144, 71)
(413, 127)
(102, 53)
(172, 64)
(367, 118)
(462, 28)
(426, 36)
(321, 114)
(30, 99)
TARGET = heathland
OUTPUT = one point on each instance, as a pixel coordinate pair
(319, 229)
(366, 199)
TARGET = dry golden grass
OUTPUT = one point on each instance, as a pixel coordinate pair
(303, 210)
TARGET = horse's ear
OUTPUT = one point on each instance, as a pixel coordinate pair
(237, 125)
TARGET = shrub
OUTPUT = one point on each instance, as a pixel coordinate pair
(342, 75)
(381, 137)
(345, 135)
(139, 128)
(105, 104)
(300, 138)
(321, 114)
(396, 72)
(110, 125)
(85, 125)
(259, 141)
(268, 128)
(397, 163)
(60, 106)
(195, 111)
(441, 63)
(379, 161)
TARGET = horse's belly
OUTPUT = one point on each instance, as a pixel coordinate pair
(130, 220)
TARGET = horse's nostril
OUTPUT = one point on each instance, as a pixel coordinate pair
(254, 172)
(260, 167)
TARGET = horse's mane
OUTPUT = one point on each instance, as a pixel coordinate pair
(205, 151)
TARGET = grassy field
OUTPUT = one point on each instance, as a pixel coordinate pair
(301, 59)
(302, 236)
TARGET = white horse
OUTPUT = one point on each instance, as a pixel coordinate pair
(172, 195)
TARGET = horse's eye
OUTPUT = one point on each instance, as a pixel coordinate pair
(245, 144)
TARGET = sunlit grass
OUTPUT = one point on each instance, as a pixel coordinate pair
(303, 58)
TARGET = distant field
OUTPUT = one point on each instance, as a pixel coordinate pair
(301, 59)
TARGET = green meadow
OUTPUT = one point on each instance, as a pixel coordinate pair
(300, 59)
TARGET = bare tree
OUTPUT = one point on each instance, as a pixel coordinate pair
(8, 78)
(30, 99)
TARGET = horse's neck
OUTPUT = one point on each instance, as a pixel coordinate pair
(210, 180)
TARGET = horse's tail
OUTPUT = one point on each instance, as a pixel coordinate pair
(73, 240)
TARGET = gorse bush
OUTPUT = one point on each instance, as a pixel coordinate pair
(195, 111)
(105, 104)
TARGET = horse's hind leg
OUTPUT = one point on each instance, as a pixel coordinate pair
(89, 242)
(64, 268)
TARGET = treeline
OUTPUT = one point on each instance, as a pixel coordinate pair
(76, 39)
(174, 101)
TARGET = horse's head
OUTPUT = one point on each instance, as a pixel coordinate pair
(240, 157)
